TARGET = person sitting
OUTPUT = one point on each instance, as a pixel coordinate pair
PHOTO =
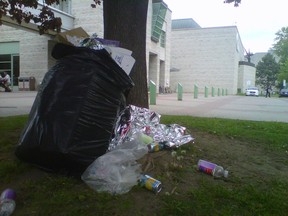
(5, 81)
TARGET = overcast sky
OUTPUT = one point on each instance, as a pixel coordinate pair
(257, 20)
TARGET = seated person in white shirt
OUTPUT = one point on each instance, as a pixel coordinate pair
(5, 81)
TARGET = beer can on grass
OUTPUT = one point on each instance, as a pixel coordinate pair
(151, 183)
(155, 147)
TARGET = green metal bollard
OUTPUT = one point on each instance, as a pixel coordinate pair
(195, 91)
(180, 92)
(206, 91)
(222, 92)
(218, 91)
(152, 88)
(226, 92)
(213, 92)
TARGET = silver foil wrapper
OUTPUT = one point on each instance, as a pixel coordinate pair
(135, 119)
(92, 43)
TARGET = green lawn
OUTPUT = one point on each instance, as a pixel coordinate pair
(255, 153)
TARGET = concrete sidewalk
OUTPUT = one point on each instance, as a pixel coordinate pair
(16, 102)
(231, 107)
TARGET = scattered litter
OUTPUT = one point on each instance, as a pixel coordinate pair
(150, 183)
(137, 132)
(212, 169)
(83, 122)
(7, 202)
(117, 171)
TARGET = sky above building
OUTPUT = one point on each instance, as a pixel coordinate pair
(257, 20)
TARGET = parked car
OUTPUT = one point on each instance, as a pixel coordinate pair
(252, 91)
(283, 93)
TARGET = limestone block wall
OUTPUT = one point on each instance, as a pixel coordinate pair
(167, 52)
(33, 54)
(206, 57)
(90, 19)
(153, 72)
(247, 75)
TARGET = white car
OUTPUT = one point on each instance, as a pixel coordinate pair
(252, 91)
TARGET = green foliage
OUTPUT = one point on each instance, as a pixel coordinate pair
(281, 50)
(283, 74)
(267, 71)
(281, 46)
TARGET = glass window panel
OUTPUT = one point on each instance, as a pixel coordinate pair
(5, 66)
(5, 58)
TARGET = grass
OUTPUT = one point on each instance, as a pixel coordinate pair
(271, 135)
(41, 193)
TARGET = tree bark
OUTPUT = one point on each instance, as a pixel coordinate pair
(125, 21)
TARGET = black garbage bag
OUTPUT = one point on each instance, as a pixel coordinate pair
(71, 121)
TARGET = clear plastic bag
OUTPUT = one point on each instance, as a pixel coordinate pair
(117, 171)
(136, 128)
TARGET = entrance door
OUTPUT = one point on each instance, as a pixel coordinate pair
(9, 60)
(15, 68)
(10, 64)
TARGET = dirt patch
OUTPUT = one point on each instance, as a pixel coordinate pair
(245, 162)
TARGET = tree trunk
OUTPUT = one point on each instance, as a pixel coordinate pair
(125, 21)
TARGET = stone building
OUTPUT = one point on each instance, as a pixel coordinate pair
(208, 57)
(26, 54)
(177, 51)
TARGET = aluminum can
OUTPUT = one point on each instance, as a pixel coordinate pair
(150, 183)
(155, 147)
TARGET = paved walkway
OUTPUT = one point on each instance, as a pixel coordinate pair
(232, 107)
(16, 103)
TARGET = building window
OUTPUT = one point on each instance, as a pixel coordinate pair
(5, 62)
(159, 13)
(163, 39)
(64, 6)
(237, 42)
